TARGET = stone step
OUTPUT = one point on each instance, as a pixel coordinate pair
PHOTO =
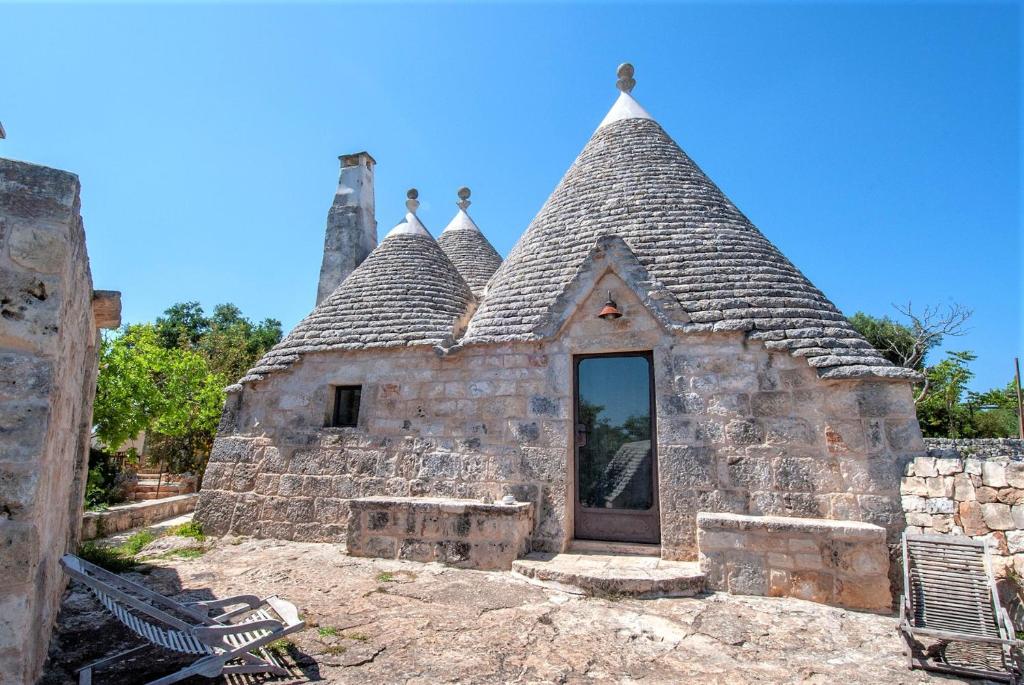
(614, 548)
(644, 577)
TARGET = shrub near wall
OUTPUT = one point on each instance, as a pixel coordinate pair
(973, 488)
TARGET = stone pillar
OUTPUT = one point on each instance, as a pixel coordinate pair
(351, 226)
(48, 341)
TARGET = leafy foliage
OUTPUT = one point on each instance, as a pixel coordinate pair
(229, 341)
(168, 380)
(894, 340)
(103, 485)
(169, 393)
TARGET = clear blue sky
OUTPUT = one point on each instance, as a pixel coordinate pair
(877, 145)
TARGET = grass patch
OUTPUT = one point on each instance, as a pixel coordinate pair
(335, 650)
(385, 577)
(361, 637)
(280, 647)
(136, 542)
(184, 553)
(327, 631)
(112, 559)
(192, 529)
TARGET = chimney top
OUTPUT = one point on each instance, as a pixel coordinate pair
(357, 158)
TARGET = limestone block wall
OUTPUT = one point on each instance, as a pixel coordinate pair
(843, 563)
(47, 380)
(463, 533)
(973, 488)
(739, 429)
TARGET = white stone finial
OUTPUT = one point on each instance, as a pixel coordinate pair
(626, 80)
(463, 202)
(412, 204)
(3, 133)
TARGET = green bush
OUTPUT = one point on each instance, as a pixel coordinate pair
(103, 483)
(113, 559)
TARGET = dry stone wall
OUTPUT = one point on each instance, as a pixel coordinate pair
(47, 380)
(463, 533)
(842, 563)
(973, 488)
(740, 429)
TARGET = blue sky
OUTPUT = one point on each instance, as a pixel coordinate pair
(877, 145)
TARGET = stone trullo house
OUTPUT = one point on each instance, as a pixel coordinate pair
(718, 378)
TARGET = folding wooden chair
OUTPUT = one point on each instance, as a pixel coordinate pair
(231, 642)
(950, 599)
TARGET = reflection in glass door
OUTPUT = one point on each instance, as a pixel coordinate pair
(616, 491)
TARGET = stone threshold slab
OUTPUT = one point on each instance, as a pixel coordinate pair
(612, 574)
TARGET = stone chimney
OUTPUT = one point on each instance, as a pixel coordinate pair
(351, 226)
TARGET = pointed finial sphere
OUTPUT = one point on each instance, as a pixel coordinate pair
(463, 202)
(412, 203)
(626, 80)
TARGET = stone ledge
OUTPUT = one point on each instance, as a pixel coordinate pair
(127, 516)
(846, 530)
(442, 504)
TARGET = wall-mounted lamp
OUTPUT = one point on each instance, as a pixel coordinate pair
(610, 311)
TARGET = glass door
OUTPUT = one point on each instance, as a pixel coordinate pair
(615, 451)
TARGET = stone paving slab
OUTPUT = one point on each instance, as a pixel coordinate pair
(373, 621)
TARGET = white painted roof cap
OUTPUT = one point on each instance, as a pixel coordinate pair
(411, 224)
(625, 106)
(461, 222)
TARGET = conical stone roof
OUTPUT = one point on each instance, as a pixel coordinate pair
(633, 180)
(468, 248)
(406, 292)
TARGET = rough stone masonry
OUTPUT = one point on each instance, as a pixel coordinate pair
(766, 401)
(49, 316)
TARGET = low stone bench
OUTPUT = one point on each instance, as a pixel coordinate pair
(842, 563)
(124, 517)
(458, 532)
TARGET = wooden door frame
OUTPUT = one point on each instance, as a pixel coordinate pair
(577, 507)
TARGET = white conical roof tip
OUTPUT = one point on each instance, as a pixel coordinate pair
(462, 220)
(411, 224)
(625, 107)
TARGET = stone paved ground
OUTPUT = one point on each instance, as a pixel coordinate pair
(402, 622)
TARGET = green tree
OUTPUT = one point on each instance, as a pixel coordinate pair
(894, 340)
(232, 343)
(182, 325)
(994, 412)
(942, 412)
(169, 393)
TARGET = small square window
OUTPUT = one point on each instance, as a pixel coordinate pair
(346, 405)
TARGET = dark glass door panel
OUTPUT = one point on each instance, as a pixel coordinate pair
(616, 494)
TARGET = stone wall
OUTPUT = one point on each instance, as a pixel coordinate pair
(739, 429)
(47, 380)
(124, 517)
(973, 488)
(463, 533)
(842, 563)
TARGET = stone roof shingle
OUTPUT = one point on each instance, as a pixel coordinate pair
(470, 251)
(633, 180)
(406, 292)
